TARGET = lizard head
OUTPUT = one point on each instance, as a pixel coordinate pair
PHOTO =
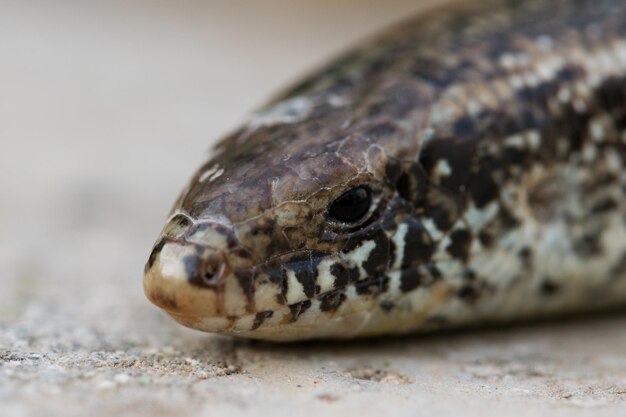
(296, 227)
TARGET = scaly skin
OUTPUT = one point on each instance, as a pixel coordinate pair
(492, 138)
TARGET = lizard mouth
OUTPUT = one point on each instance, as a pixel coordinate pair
(188, 281)
(343, 312)
(204, 281)
(317, 315)
(276, 296)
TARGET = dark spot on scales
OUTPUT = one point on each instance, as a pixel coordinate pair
(542, 92)
(410, 279)
(588, 245)
(548, 287)
(610, 95)
(434, 271)
(192, 266)
(404, 187)
(284, 287)
(412, 183)
(153, 255)
(525, 253)
(331, 301)
(441, 216)
(601, 180)
(459, 246)
(379, 257)
(274, 274)
(305, 271)
(574, 126)
(526, 256)
(514, 155)
(393, 170)
(306, 276)
(570, 73)
(298, 309)
(343, 276)
(464, 127)
(260, 317)
(164, 300)
(483, 188)
(459, 155)
(418, 245)
(373, 286)
(392, 251)
(469, 275)
(486, 239)
(278, 243)
(468, 293)
(386, 306)
(506, 219)
(227, 233)
(604, 206)
(242, 253)
(246, 281)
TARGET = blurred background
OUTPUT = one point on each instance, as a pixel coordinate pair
(106, 110)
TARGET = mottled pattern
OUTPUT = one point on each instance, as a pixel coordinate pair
(492, 137)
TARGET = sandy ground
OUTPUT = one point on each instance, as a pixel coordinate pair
(105, 110)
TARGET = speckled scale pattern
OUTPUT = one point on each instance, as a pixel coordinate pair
(492, 136)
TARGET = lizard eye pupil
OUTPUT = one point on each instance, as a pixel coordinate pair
(351, 206)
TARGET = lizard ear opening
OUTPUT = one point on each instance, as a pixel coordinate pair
(412, 183)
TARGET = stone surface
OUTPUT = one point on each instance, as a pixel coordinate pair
(104, 113)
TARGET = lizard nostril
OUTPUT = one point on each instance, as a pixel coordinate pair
(175, 280)
(210, 271)
(213, 272)
(207, 272)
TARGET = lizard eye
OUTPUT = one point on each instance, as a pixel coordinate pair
(351, 206)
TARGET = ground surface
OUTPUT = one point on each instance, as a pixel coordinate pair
(104, 112)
